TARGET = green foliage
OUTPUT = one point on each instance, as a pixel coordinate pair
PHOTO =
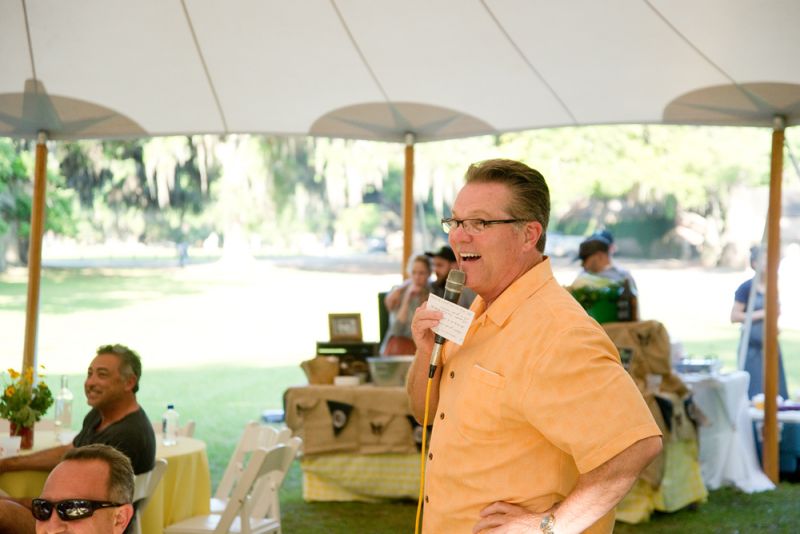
(647, 226)
(140, 188)
(16, 189)
(587, 296)
(392, 193)
(362, 220)
(12, 193)
(279, 187)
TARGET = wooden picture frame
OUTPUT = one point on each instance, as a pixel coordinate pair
(345, 326)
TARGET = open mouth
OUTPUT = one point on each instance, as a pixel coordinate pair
(467, 257)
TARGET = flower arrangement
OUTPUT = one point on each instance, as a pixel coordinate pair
(22, 403)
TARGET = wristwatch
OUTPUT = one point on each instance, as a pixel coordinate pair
(548, 524)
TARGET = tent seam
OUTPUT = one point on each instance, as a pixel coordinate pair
(28, 35)
(529, 63)
(689, 42)
(359, 51)
(205, 67)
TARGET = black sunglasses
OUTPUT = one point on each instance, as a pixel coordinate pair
(68, 509)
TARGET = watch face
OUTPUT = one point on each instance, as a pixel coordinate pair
(548, 522)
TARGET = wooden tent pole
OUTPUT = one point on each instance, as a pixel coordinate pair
(408, 204)
(35, 252)
(771, 308)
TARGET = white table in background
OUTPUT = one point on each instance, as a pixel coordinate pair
(727, 448)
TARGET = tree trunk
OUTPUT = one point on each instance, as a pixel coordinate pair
(4, 240)
(23, 244)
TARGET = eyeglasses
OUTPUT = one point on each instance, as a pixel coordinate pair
(473, 226)
(69, 509)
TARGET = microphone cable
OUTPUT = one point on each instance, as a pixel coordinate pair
(422, 454)
(453, 288)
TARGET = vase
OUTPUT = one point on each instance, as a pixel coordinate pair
(25, 432)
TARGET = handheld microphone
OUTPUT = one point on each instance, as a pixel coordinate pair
(452, 292)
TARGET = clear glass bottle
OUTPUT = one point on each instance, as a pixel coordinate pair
(169, 426)
(63, 408)
(626, 304)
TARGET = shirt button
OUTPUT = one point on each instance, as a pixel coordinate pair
(441, 415)
(426, 498)
(452, 374)
(430, 456)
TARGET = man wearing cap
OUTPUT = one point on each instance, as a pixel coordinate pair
(608, 236)
(444, 261)
(595, 256)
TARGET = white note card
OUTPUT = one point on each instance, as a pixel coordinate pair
(455, 321)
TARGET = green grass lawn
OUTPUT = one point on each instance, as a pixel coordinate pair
(204, 394)
(224, 346)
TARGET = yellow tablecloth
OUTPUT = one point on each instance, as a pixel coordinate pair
(184, 491)
(369, 453)
(360, 477)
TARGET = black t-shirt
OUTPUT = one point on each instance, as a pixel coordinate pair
(132, 435)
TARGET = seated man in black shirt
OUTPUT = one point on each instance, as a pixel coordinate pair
(115, 419)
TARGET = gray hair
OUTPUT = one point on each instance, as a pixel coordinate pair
(130, 362)
(530, 197)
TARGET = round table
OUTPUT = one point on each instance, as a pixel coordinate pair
(184, 491)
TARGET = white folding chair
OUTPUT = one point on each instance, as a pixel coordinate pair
(144, 487)
(187, 430)
(255, 435)
(239, 515)
(266, 497)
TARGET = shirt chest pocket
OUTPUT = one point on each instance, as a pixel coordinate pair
(480, 405)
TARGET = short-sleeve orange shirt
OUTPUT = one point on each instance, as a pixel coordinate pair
(534, 397)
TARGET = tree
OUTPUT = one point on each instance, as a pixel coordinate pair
(16, 190)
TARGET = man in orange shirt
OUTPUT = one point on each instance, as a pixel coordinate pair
(537, 427)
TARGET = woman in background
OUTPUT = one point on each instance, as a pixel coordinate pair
(754, 361)
(401, 303)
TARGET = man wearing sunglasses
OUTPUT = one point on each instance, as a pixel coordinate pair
(537, 426)
(89, 491)
(116, 419)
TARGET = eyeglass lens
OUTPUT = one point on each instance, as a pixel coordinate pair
(471, 226)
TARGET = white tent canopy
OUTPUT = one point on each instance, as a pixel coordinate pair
(376, 69)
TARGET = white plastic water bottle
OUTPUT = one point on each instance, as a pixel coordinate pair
(63, 409)
(169, 426)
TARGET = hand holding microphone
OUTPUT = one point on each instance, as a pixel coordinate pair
(452, 292)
